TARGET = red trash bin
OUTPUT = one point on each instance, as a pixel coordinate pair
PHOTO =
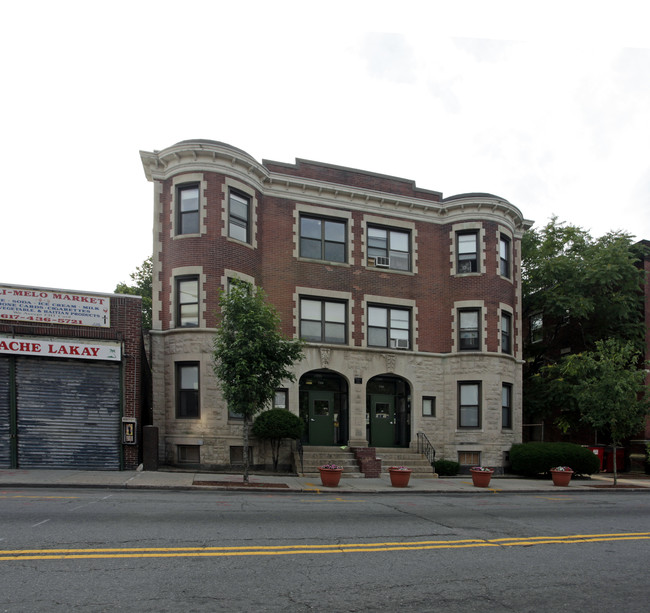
(600, 452)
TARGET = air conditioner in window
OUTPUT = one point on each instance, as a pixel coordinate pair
(382, 262)
(399, 343)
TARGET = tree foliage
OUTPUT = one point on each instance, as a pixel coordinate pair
(608, 388)
(591, 285)
(142, 280)
(251, 357)
(586, 290)
(275, 425)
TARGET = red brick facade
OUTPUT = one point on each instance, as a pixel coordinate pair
(429, 288)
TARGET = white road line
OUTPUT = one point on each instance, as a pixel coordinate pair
(40, 523)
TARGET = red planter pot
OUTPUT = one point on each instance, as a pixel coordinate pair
(561, 477)
(399, 478)
(481, 478)
(330, 477)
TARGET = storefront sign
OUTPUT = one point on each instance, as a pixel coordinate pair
(71, 348)
(54, 307)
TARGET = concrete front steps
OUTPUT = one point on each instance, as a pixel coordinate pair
(396, 456)
(314, 456)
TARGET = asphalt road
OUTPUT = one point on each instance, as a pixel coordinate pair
(107, 550)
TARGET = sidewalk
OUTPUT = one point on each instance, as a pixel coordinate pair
(172, 480)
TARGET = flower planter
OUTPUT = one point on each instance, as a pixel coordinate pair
(561, 477)
(399, 477)
(330, 477)
(481, 478)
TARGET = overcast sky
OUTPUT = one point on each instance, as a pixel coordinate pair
(546, 104)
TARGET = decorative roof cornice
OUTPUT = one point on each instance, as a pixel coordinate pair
(213, 156)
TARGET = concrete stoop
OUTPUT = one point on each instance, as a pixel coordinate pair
(417, 462)
(314, 456)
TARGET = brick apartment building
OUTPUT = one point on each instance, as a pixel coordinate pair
(409, 302)
(73, 378)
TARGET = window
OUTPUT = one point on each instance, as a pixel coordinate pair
(504, 257)
(467, 252)
(323, 321)
(281, 399)
(468, 333)
(239, 216)
(187, 302)
(429, 406)
(536, 328)
(322, 239)
(388, 327)
(469, 404)
(187, 391)
(188, 209)
(506, 332)
(233, 415)
(389, 248)
(469, 458)
(506, 406)
(189, 454)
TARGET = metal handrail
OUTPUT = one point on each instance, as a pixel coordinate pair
(425, 447)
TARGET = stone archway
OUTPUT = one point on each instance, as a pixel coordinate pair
(324, 408)
(388, 411)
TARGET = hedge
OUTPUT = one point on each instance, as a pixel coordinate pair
(531, 459)
(447, 468)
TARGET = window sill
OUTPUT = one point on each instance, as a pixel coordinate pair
(324, 262)
(408, 273)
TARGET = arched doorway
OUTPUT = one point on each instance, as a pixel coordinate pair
(324, 408)
(388, 412)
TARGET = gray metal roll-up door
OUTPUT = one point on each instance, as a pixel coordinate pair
(68, 414)
(5, 419)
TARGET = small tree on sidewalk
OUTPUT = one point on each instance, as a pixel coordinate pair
(251, 356)
(609, 389)
(275, 425)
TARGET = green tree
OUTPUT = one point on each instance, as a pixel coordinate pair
(608, 387)
(591, 285)
(142, 280)
(275, 425)
(251, 356)
(585, 290)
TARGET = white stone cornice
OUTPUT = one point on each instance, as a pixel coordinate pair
(213, 156)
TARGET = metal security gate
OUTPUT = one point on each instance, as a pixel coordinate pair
(5, 414)
(68, 414)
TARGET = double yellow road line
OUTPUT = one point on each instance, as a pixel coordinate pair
(280, 550)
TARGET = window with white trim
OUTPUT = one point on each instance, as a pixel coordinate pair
(429, 406)
(467, 252)
(187, 302)
(323, 321)
(469, 338)
(188, 208)
(187, 390)
(506, 332)
(504, 256)
(389, 327)
(389, 248)
(322, 239)
(239, 212)
(469, 404)
(506, 406)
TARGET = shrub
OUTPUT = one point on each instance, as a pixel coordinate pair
(531, 459)
(277, 424)
(447, 468)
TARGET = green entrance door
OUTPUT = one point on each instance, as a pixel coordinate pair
(382, 420)
(321, 418)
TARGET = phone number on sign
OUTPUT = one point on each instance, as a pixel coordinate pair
(46, 320)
